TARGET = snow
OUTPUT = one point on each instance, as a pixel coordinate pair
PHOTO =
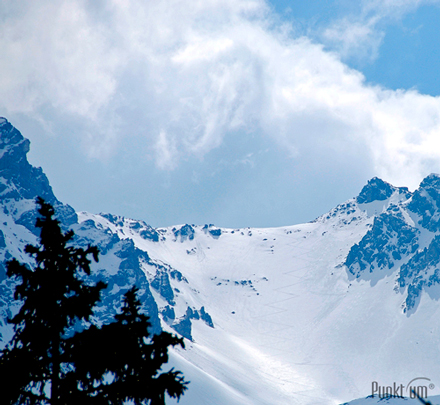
(290, 326)
(303, 333)
(278, 341)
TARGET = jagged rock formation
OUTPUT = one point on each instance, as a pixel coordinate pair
(379, 190)
(403, 236)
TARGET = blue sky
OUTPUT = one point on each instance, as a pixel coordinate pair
(408, 55)
(238, 113)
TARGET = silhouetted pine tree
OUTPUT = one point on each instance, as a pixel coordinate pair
(101, 365)
(126, 365)
(33, 365)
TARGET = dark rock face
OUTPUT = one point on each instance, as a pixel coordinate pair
(379, 190)
(185, 232)
(168, 314)
(130, 273)
(421, 271)
(149, 233)
(2, 240)
(376, 189)
(126, 272)
(183, 326)
(20, 181)
(426, 203)
(204, 316)
(213, 231)
(388, 241)
(177, 275)
(394, 240)
(161, 284)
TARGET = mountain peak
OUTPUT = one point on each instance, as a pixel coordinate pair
(377, 190)
(19, 180)
(12, 143)
(426, 202)
(432, 180)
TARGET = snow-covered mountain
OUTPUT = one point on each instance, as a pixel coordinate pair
(305, 314)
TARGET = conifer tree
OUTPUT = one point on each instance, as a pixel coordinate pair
(110, 364)
(33, 366)
(126, 366)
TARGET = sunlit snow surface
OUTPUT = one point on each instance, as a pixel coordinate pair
(290, 326)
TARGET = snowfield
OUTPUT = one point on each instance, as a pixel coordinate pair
(291, 326)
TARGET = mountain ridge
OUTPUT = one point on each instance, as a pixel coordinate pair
(234, 294)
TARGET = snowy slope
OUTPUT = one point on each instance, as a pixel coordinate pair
(289, 318)
(304, 314)
(290, 324)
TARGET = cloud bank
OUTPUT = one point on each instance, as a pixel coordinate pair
(183, 78)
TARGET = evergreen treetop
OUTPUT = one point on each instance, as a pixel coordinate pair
(54, 298)
(44, 364)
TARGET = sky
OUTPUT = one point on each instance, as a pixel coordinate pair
(231, 112)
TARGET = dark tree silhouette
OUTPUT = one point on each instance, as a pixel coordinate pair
(32, 366)
(45, 363)
(127, 364)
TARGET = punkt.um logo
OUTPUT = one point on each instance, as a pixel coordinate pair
(417, 388)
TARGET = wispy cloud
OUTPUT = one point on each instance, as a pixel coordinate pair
(359, 35)
(165, 152)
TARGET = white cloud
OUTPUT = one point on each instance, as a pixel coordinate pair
(182, 75)
(52, 53)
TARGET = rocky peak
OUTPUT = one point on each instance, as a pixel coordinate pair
(400, 240)
(431, 181)
(426, 203)
(19, 180)
(379, 190)
(11, 140)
